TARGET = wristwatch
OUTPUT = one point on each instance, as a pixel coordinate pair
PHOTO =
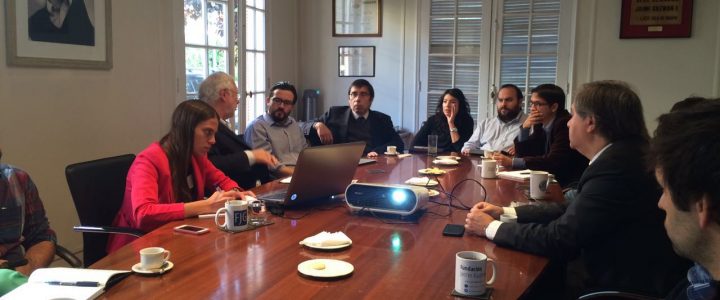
(453, 129)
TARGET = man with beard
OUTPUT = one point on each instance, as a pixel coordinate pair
(276, 131)
(497, 134)
(543, 142)
(230, 154)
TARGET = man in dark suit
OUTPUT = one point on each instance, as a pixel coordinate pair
(230, 154)
(687, 166)
(62, 21)
(611, 234)
(356, 122)
(542, 143)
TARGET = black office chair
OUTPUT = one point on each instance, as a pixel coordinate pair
(97, 188)
(67, 256)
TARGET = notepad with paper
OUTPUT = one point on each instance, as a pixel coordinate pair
(38, 286)
(520, 175)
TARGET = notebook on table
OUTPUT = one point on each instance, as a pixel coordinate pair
(320, 172)
(66, 283)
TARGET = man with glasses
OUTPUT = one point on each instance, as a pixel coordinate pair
(356, 122)
(276, 131)
(497, 134)
(230, 154)
(543, 142)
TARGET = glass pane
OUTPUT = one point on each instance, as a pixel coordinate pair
(259, 30)
(542, 70)
(194, 22)
(217, 24)
(439, 73)
(250, 29)
(513, 70)
(516, 6)
(546, 6)
(259, 4)
(442, 33)
(467, 73)
(469, 35)
(259, 71)
(250, 71)
(194, 68)
(515, 35)
(250, 3)
(545, 34)
(217, 60)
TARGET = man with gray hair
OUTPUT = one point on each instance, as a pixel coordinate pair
(230, 154)
(611, 234)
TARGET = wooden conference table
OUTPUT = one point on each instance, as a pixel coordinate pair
(394, 261)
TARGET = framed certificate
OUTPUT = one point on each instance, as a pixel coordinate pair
(656, 19)
(357, 18)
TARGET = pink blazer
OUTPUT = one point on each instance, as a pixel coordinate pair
(149, 201)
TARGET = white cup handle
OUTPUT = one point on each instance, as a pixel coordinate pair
(492, 279)
(217, 214)
(167, 255)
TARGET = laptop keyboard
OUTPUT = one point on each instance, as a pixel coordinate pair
(273, 197)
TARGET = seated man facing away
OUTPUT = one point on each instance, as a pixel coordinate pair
(543, 143)
(356, 122)
(611, 235)
(26, 240)
(230, 154)
(498, 133)
(684, 154)
(276, 131)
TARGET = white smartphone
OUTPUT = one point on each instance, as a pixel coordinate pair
(191, 229)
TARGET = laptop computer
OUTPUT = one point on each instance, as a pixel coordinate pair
(320, 172)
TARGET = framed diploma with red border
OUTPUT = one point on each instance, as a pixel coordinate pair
(656, 19)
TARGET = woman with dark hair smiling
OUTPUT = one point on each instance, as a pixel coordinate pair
(451, 122)
(166, 180)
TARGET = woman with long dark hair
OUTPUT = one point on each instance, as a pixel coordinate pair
(167, 180)
(451, 122)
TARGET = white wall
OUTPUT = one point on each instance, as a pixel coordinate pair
(394, 69)
(662, 71)
(50, 118)
(282, 41)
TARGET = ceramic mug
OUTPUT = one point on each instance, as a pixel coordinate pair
(391, 150)
(236, 215)
(539, 181)
(153, 258)
(470, 273)
(489, 168)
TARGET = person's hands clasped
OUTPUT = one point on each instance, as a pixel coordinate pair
(465, 151)
(535, 117)
(490, 209)
(324, 133)
(372, 154)
(480, 216)
(265, 158)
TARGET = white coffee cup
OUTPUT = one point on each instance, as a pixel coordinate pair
(153, 258)
(488, 154)
(236, 215)
(470, 273)
(391, 149)
(489, 168)
(506, 218)
(539, 181)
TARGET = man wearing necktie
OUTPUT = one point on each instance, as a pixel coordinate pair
(356, 122)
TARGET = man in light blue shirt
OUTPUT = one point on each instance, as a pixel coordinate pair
(276, 131)
(498, 133)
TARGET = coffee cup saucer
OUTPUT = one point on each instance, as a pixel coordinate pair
(391, 153)
(167, 266)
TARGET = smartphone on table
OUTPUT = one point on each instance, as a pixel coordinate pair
(191, 229)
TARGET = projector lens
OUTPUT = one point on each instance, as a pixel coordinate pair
(399, 197)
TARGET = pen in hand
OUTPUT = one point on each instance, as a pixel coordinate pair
(75, 283)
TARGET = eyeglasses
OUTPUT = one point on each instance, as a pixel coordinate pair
(537, 103)
(360, 94)
(279, 101)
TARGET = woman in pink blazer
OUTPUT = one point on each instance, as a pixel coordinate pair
(167, 180)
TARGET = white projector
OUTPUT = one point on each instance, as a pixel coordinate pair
(386, 198)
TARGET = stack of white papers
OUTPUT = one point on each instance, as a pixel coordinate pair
(327, 239)
(521, 175)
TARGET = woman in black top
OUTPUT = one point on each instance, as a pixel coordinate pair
(451, 122)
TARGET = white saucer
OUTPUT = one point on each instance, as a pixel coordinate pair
(393, 154)
(447, 162)
(333, 268)
(329, 247)
(166, 267)
(448, 157)
(420, 181)
(429, 171)
(433, 193)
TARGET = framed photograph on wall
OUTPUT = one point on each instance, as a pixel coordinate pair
(356, 61)
(59, 34)
(357, 18)
(656, 19)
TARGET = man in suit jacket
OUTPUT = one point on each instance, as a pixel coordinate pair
(542, 143)
(687, 166)
(230, 154)
(613, 226)
(356, 122)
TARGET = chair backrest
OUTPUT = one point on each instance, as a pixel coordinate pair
(97, 188)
